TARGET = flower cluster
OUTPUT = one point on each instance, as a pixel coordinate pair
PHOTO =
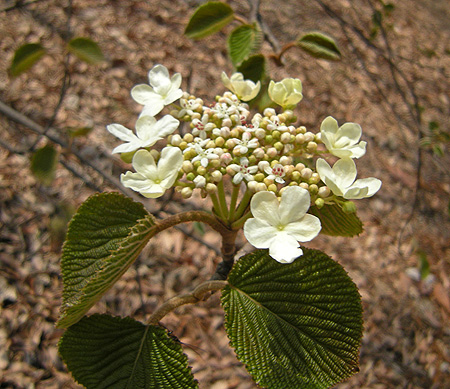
(272, 161)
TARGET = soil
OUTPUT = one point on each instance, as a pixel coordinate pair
(395, 84)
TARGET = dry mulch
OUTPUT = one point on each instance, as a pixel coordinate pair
(407, 335)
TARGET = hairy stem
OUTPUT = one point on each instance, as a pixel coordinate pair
(198, 294)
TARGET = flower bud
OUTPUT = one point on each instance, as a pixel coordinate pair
(201, 170)
(313, 189)
(315, 178)
(252, 186)
(349, 207)
(227, 123)
(268, 112)
(300, 139)
(324, 191)
(216, 176)
(268, 182)
(188, 137)
(295, 175)
(304, 185)
(200, 181)
(186, 192)
(272, 188)
(230, 143)
(225, 158)
(278, 146)
(306, 173)
(259, 177)
(211, 188)
(319, 203)
(258, 153)
(187, 166)
(260, 133)
(284, 160)
(176, 140)
(285, 137)
(309, 137)
(272, 152)
(261, 187)
(276, 134)
(311, 147)
(219, 142)
(190, 176)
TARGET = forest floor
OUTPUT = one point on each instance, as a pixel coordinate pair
(395, 84)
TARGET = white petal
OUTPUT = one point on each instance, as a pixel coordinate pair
(128, 147)
(284, 248)
(372, 184)
(121, 132)
(264, 206)
(172, 96)
(153, 108)
(144, 164)
(359, 150)
(159, 79)
(305, 229)
(351, 131)
(329, 125)
(345, 172)
(142, 93)
(166, 126)
(169, 164)
(295, 202)
(144, 127)
(259, 234)
(141, 184)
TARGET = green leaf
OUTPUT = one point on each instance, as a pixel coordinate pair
(243, 41)
(424, 266)
(319, 45)
(104, 238)
(253, 68)
(336, 222)
(295, 325)
(86, 50)
(208, 19)
(103, 351)
(43, 164)
(25, 57)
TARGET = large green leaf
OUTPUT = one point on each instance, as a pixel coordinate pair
(295, 325)
(253, 68)
(208, 19)
(43, 164)
(86, 50)
(104, 238)
(336, 222)
(25, 57)
(319, 45)
(243, 41)
(103, 351)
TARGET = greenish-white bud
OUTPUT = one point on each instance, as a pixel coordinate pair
(324, 191)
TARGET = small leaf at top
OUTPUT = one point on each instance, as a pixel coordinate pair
(208, 19)
(43, 164)
(25, 57)
(295, 325)
(86, 50)
(243, 41)
(104, 238)
(319, 45)
(103, 351)
(336, 222)
(253, 68)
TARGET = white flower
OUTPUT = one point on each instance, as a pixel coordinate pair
(243, 89)
(204, 156)
(199, 182)
(243, 171)
(286, 93)
(279, 226)
(276, 173)
(342, 141)
(148, 132)
(341, 179)
(162, 90)
(201, 127)
(153, 180)
(247, 142)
